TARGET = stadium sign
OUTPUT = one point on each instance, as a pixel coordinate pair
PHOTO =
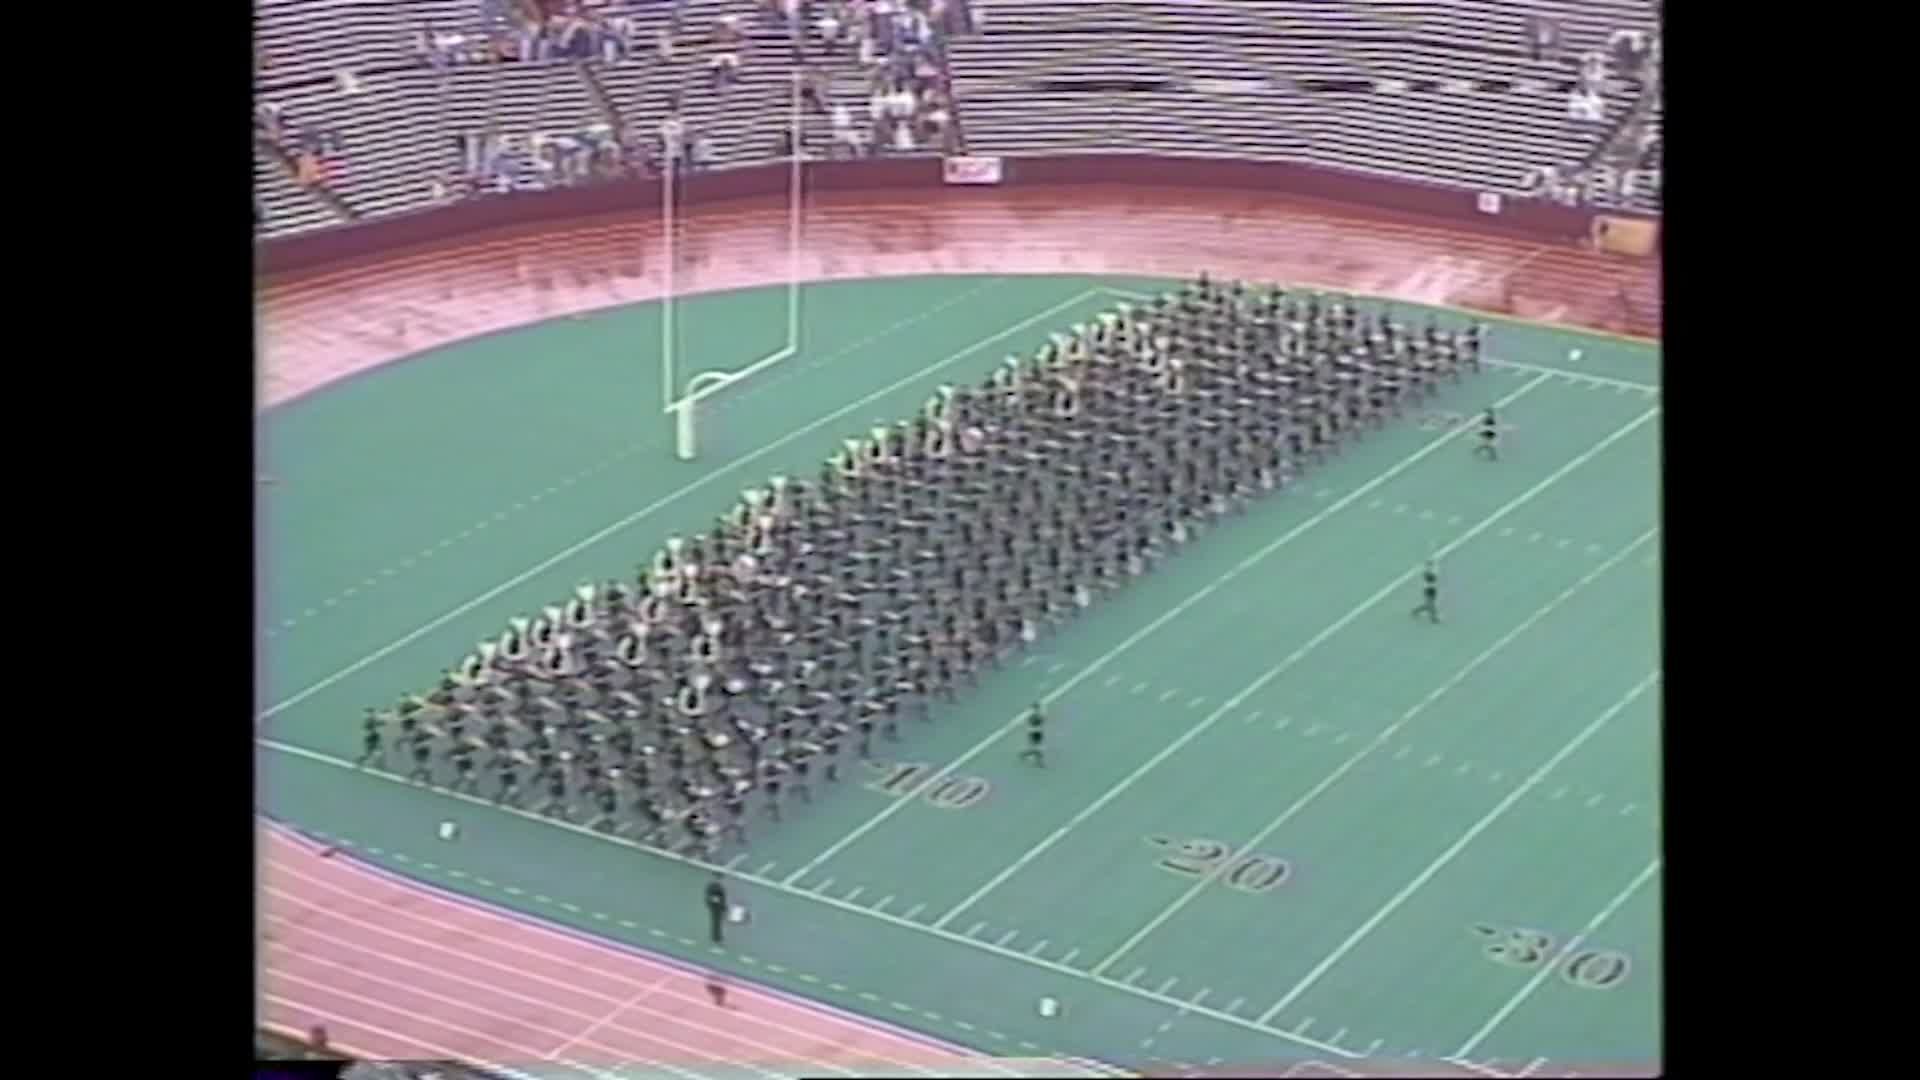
(972, 170)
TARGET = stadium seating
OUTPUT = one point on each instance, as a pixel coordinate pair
(1201, 78)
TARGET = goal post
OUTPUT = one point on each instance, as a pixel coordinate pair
(682, 401)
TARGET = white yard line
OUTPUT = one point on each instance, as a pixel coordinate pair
(1293, 658)
(1454, 849)
(1566, 950)
(1374, 744)
(1576, 376)
(483, 806)
(1141, 634)
(706, 478)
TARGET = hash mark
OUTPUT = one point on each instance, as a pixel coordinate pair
(976, 928)
(1006, 937)
(1303, 1026)
(1431, 762)
(1137, 972)
(1595, 801)
(1506, 530)
(884, 901)
(1057, 665)
(1035, 949)
(1168, 985)
(1168, 696)
(1137, 688)
(762, 872)
(1234, 1005)
(1252, 716)
(1068, 959)
(1111, 679)
(1196, 703)
(1627, 809)
(915, 910)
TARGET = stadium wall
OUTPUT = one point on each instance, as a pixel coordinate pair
(538, 211)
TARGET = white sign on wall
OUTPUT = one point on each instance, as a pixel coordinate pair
(972, 170)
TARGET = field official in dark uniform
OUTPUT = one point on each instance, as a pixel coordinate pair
(717, 910)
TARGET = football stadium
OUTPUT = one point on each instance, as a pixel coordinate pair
(993, 538)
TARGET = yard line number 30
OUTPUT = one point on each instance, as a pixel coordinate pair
(1589, 969)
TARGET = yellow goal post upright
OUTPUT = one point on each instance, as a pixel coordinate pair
(682, 402)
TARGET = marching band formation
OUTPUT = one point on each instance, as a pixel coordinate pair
(743, 665)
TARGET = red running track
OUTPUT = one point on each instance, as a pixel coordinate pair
(397, 971)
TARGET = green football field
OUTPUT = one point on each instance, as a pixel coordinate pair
(1280, 819)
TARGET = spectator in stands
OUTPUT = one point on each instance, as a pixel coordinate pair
(815, 89)
(700, 152)
(672, 132)
(616, 35)
(832, 25)
(268, 121)
(725, 64)
(1542, 37)
(937, 119)
(845, 135)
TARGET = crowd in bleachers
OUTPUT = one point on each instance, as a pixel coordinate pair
(895, 46)
(310, 153)
(1625, 149)
(1558, 99)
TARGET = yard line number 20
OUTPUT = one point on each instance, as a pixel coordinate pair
(1198, 857)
